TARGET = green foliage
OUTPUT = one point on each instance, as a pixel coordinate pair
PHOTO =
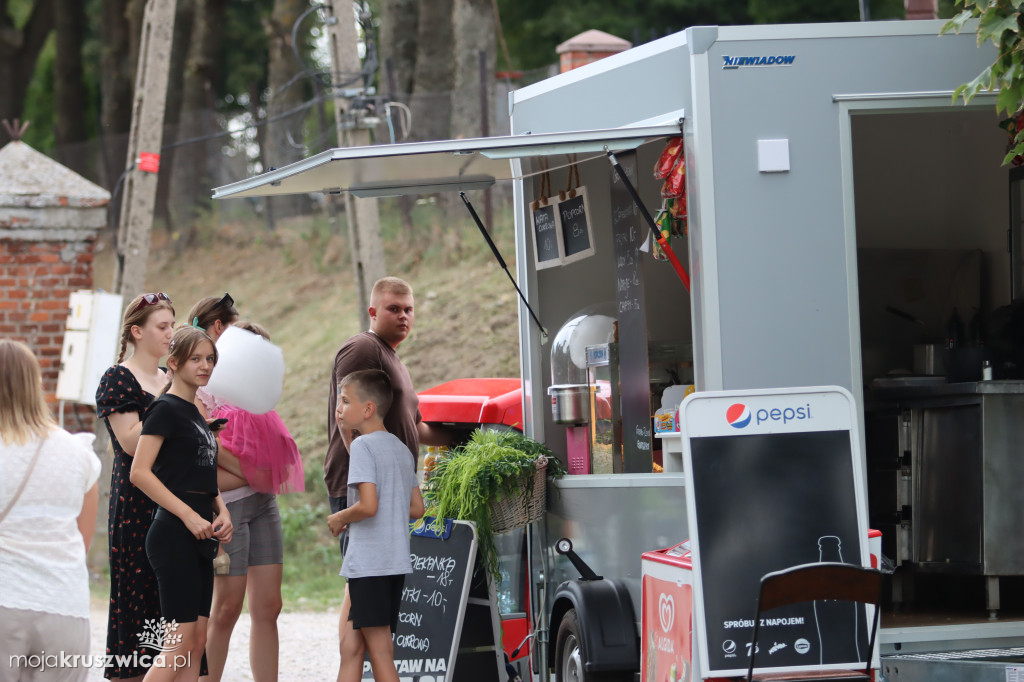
(999, 22)
(311, 555)
(492, 465)
(533, 28)
(40, 107)
(804, 11)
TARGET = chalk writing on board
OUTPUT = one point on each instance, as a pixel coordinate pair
(574, 216)
(433, 601)
(546, 237)
(634, 373)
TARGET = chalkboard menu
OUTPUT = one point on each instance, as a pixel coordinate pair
(574, 216)
(546, 234)
(634, 370)
(772, 483)
(446, 604)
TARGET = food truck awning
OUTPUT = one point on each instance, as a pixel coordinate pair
(445, 165)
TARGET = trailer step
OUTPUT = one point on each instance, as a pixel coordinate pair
(977, 665)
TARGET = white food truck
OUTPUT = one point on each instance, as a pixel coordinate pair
(847, 222)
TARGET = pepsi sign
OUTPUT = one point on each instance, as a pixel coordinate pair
(738, 415)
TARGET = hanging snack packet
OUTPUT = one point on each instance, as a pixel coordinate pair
(669, 158)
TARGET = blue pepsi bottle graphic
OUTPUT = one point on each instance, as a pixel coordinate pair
(837, 621)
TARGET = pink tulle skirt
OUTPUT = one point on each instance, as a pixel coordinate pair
(268, 455)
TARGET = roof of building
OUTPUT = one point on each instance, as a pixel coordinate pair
(31, 179)
(594, 41)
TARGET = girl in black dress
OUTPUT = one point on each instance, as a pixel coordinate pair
(176, 466)
(124, 393)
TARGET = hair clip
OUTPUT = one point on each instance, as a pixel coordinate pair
(195, 323)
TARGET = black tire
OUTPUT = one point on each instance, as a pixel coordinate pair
(571, 657)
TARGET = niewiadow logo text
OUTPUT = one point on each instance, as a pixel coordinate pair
(757, 61)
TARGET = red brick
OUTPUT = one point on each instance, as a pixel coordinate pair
(53, 305)
(7, 329)
(61, 294)
(17, 317)
(43, 341)
(51, 328)
(57, 270)
(8, 305)
(17, 271)
(8, 282)
(39, 317)
(17, 293)
(48, 351)
(80, 282)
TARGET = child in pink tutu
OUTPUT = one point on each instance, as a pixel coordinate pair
(259, 460)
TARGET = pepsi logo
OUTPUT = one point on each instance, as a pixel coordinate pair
(738, 415)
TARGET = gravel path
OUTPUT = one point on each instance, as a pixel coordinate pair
(309, 646)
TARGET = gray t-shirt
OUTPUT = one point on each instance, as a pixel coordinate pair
(379, 545)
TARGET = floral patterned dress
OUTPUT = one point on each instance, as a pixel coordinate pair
(133, 590)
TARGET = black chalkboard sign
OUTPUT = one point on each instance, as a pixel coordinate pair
(546, 235)
(634, 368)
(574, 216)
(771, 484)
(445, 590)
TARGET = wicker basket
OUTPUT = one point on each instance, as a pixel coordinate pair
(509, 513)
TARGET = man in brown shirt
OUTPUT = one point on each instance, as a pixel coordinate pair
(391, 317)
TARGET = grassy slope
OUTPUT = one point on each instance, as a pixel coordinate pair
(297, 282)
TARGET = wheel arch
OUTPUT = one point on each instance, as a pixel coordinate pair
(607, 624)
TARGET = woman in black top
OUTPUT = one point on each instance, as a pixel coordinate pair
(176, 466)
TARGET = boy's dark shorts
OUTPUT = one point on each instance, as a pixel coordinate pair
(375, 601)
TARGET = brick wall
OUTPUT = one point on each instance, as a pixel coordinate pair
(36, 278)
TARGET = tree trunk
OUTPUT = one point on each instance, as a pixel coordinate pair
(117, 74)
(19, 50)
(287, 87)
(183, 19)
(473, 26)
(433, 77)
(191, 178)
(398, 27)
(69, 85)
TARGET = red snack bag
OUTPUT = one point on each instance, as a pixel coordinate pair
(675, 184)
(669, 158)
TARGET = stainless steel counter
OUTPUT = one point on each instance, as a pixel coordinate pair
(946, 475)
(888, 388)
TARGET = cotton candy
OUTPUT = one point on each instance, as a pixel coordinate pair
(249, 372)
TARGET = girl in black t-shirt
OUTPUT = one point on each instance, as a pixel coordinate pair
(176, 466)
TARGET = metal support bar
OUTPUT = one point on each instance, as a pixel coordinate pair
(501, 262)
(662, 242)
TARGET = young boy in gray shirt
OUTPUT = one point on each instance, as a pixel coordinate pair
(383, 494)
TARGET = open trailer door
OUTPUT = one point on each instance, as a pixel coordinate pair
(444, 165)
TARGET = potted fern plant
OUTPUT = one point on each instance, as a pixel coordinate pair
(497, 479)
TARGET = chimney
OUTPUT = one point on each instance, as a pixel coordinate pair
(588, 47)
(921, 9)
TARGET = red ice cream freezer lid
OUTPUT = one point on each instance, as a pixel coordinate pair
(676, 555)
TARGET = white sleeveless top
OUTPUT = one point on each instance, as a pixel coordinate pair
(42, 555)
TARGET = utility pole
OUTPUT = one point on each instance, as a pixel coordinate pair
(144, 141)
(353, 129)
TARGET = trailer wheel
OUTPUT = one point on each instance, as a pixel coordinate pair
(570, 656)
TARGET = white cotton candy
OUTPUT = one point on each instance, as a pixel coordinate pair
(249, 372)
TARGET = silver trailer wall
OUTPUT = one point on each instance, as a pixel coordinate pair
(776, 287)
(648, 83)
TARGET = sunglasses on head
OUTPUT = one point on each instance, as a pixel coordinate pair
(152, 299)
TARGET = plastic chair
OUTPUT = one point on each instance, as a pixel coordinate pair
(810, 582)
